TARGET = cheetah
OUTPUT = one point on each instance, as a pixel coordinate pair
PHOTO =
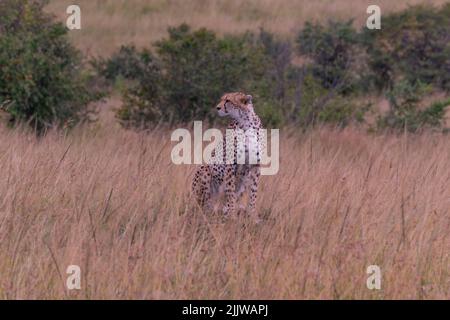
(232, 177)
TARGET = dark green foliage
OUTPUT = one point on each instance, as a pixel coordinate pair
(334, 67)
(278, 61)
(404, 111)
(331, 77)
(197, 67)
(127, 63)
(413, 44)
(319, 104)
(41, 77)
(433, 115)
(272, 89)
(142, 101)
(142, 91)
(332, 49)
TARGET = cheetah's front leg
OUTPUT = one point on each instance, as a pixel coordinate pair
(201, 186)
(252, 186)
(230, 191)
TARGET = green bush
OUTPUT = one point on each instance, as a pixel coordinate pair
(41, 77)
(319, 104)
(413, 45)
(142, 87)
(404, 110)
(273, 88)
(277, 61)
(143, 101)
(128, 63)
(332, 50)
(197, 67)
(190, 70)
(433, 115)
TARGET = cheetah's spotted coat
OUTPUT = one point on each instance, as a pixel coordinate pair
(210, 179)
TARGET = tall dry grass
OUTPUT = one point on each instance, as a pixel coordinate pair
(107, 24)
(114, 204)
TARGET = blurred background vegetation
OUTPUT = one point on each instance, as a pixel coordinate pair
(320, 69)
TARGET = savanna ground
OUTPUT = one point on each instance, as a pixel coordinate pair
(116, 206)
(112, 202)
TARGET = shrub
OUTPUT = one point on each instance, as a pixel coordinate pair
(433, 115)
(332, 50)
(192, 69)
(128, 63)
(273, 88)
(41, 77)
(142, 90)
(143, 101)
(413, 45)
(197, 67)
(278, 64)
(319, 104)
(404, 111)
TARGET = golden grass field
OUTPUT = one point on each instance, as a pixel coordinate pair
(107, 24)
(111, 201)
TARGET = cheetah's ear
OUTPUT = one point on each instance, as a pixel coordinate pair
(248, 99)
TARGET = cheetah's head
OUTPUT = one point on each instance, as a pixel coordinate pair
(235, 105)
